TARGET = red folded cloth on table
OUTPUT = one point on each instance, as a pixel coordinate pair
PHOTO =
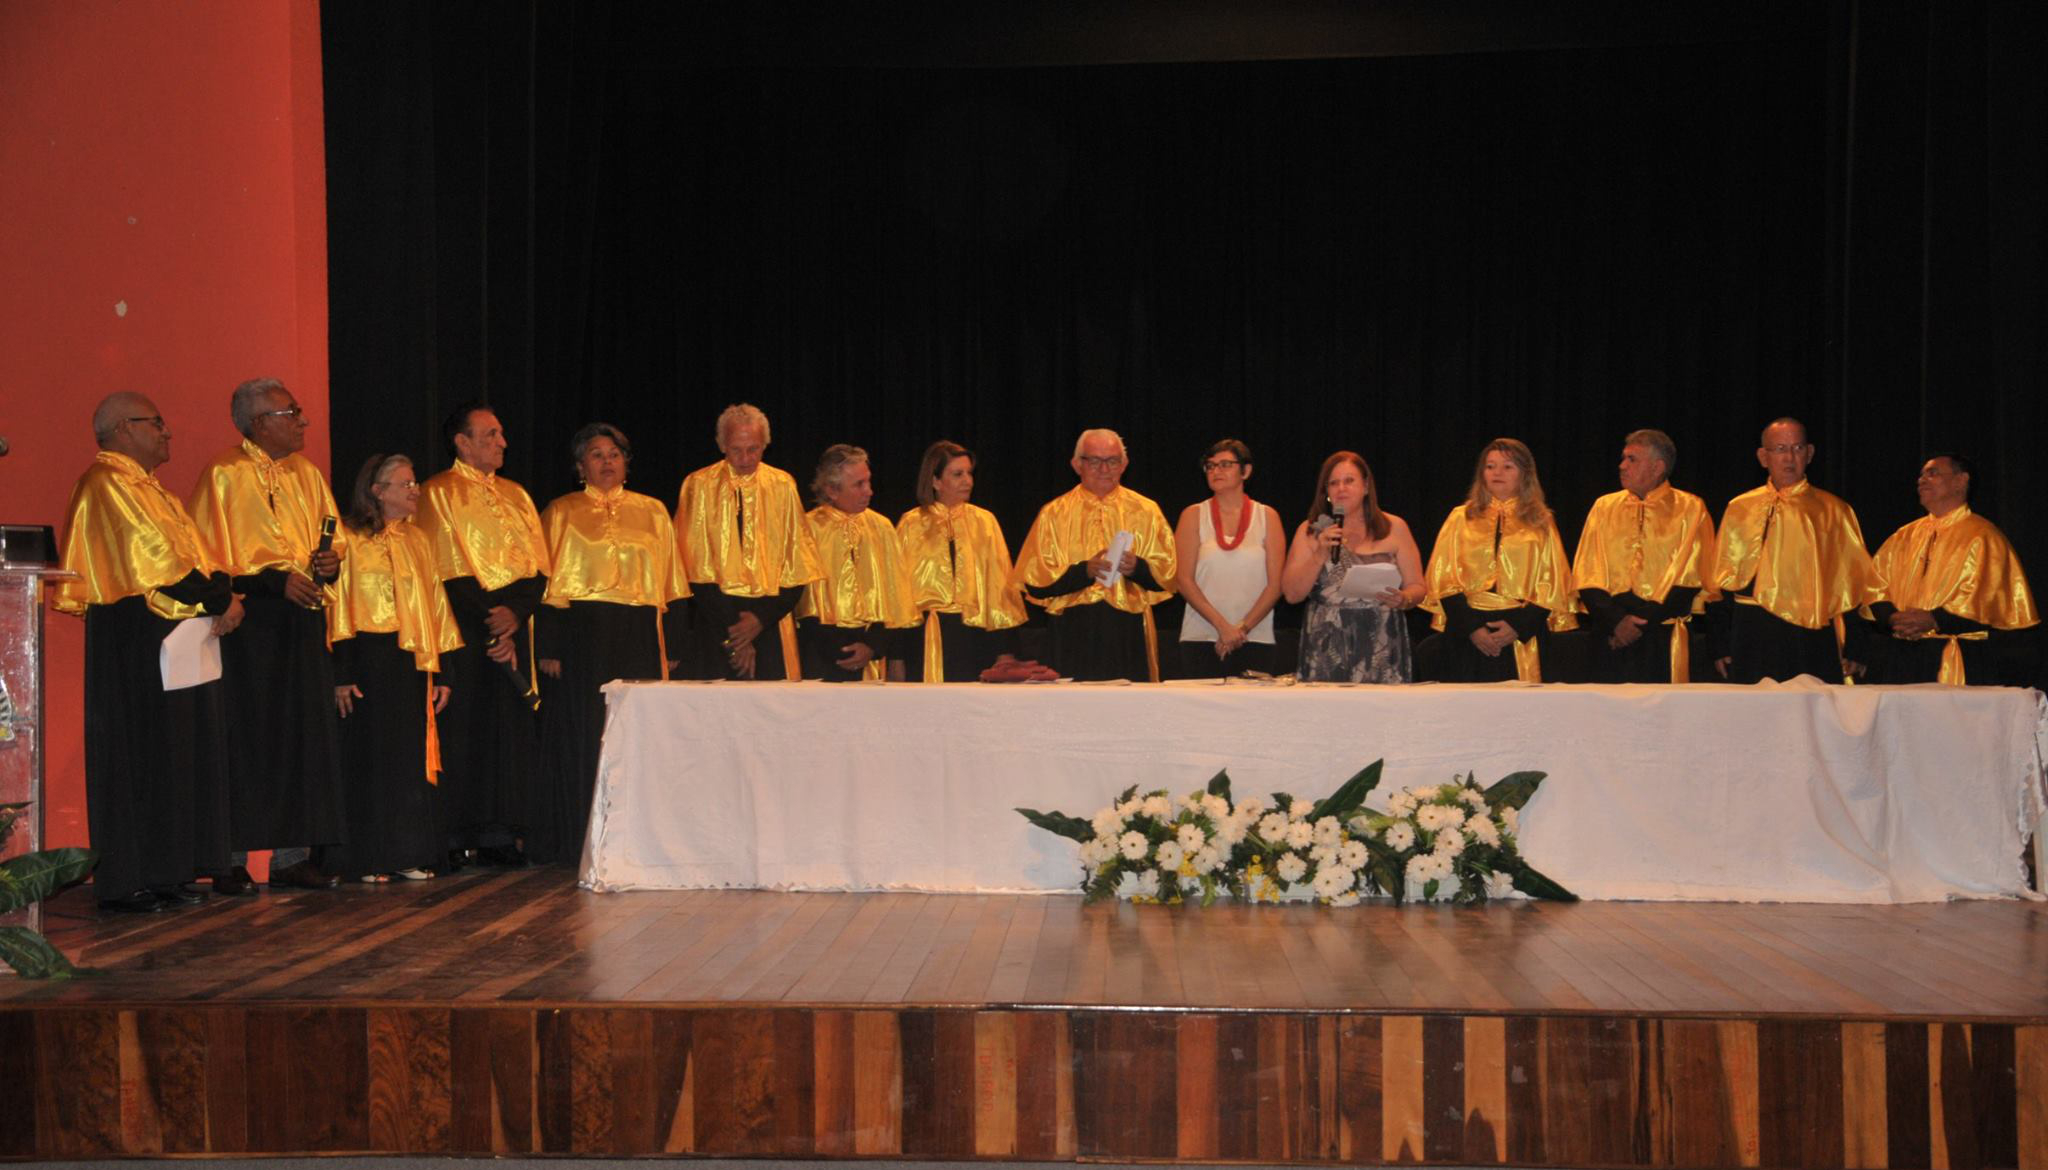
(1019, 670)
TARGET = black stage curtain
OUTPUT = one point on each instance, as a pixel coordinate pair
(1399, 228)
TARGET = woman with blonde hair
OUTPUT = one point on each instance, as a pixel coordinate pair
(1498, 582)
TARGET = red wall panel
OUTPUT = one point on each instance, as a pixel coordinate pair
(162, 229)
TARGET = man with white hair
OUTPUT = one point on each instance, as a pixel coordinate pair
(747, 553)
(846, 620)
(1640, 568)
(260, 507)
(1099, 605)
(156, 774)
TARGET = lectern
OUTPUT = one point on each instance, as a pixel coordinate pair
(21, 708)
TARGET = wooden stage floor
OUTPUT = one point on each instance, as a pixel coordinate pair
(512, 1013)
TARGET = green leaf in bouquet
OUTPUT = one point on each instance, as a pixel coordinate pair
(1283, 801)
(1350, 794)
(32, 957)
(1219, 784)
(1514, 789)
(1532, 882)
(1073, 828)
(1103, 884)
(1127, 793)
(35, 876)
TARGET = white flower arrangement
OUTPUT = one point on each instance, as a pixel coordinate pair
(1453, 841)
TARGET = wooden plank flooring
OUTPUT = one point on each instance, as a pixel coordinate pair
(512, 1014)
(533, 937)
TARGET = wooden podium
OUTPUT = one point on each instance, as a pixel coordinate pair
(21, 708)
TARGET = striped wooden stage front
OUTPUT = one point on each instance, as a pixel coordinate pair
(513, 1014)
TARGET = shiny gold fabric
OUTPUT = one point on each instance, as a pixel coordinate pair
(615, 546)
(255, 513)
(971, 577)
(744, 534)
(1799, 553)
(388, 585)
(865, 580)
(1080, 525)
(1961, 564)
(1499, 563)
(1646, 547)
(1528, 568)
(483, 526)
(126, 535)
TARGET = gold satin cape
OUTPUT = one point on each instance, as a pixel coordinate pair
(1529, 568)
(771, 552)
(1960, 563)
(865, 580)
(1080, 525)
(615, 546)
(255, 513)
(481, 525)
(1797, 553)
(126, 535)
(388, 585)
(1646, 547)
(971, 578)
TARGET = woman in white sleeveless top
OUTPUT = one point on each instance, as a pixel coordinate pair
(1230, 549)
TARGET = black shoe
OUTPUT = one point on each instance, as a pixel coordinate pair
(139, 902)
(303, 875)
(502, 856)
(235, 883)
(186, 895)
(459, 860)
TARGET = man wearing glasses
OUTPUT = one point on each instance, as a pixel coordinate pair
(1789, 563)
(260, 507)
(1098, 559)
(156, 780)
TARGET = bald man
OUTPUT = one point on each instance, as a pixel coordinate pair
(156, 771)
(1790, 561)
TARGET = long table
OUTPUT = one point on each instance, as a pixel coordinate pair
(1795, 792)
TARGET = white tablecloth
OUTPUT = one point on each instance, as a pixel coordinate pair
(1800, 792)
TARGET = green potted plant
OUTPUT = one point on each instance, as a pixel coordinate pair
(28, 879)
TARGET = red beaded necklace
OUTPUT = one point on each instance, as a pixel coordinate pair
(1244, 523)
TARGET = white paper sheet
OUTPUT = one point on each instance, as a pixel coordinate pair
(1118, 546)
(190, 655)
(1369, 581)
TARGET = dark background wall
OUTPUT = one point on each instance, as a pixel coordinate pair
(1402, 228)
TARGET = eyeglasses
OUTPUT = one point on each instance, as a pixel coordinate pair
(155, 420)
(1102, 462)
(1220, 464)
(1786, 449)
(404, 485)
(291, 412)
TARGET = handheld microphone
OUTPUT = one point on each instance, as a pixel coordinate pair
(326, 534)
(1337, 518)
(521, 683)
